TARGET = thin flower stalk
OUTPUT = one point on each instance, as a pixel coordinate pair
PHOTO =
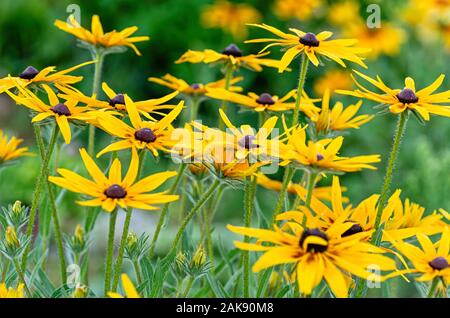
(110, 249)
(250, 192)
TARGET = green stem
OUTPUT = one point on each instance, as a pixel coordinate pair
(99, 56)
(228, 77)
(432, 291)
(195, 103)
(192, 213)
(21, 277)
(287, 177)
(188, 286)
(55, 218)
(110, 250)
(300, 87)
(5, 270)
(137, 270)
(37, 192)
(311, 183)
(250, 190)
(164, 210)
(126, 227)
(401, 126)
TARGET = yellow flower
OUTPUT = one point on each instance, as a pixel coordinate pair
(338, 118)
(112, 191)
(197, 89)
(400, 220)
(312, 45)
(386, 40)
(422, 102)
(151, 135)
(79, 234)
(116, 101)
(316, 255)
(128, 287)
(265, 101)
(302, 10)
(11, 237)
(232, 55)
(230, 17)
(321, 155)
(429, 260)
(10, 292)
(97, 37)
(9, 148)
(47, 76)
(63, 113)
(322, 193)
(333, 80)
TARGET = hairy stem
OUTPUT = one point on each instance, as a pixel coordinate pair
(110, 250)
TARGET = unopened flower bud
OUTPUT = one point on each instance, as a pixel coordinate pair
(199, 257)
(11, 237)
(17, 207)
(79, 234)
(131, 240)
(80, 291)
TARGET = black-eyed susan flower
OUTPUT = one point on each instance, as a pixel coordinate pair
(151, 135)
(48, 75)
(97, 37)
(231, 55)
(265, 101)
(321, 155)
(116, 100)
(194, 89)
(333, 80)
(61, 112)
(312, 45)
(230, 17)
(321, 193)
(338, 118)
(113, 191)
(400, 220)
(430, 260)
(316, 255)
(422, 102)
(10, 292)
(301, 10)
(10, 148)
(128, 288)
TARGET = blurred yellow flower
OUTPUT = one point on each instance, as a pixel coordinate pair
(10, 292)
(333, 80)
(422, 102)
(301, 10)
(338, 118)
(113, 191)
(128, 287)
(312, 45)
(231, 55)
(265, 101)
(97, 37)
(343, 13)
(9, 148)
(182, 86)
(230, 17)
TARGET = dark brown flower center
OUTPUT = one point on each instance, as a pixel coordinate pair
(319, 157)
(61, 109)
(356, 228)
(247, 142)
(407, 96)
(309, 39)
(265, 99)
(115, 192)
(232, 50)
(145, 135)
(314, 248)
(29, 73)
(118, 99)
(439, 263)
(196, 86)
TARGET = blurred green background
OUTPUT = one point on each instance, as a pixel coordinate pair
(28, 37)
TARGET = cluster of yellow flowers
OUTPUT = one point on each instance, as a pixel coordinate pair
(314, 241)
